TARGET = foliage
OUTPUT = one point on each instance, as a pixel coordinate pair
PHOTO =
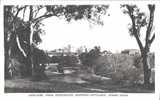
(22, 34)
(76, 12)
(111, 63)
(122, 68)
(11, 23)
(139, 20)
(69, 61)
(118, 67)
(38, 31)
(88, 58)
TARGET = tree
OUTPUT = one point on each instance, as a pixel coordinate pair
(31, 28)
(88, 59)
(11, 24)
(17, 37)
(140, 20)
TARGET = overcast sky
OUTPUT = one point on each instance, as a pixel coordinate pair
(113, 35)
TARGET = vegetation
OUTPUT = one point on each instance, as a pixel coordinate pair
(23, 58)
(64, 61)
(88, 58)
(123, 68)
(138, 21)
(24, 34)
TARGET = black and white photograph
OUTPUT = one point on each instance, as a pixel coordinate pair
(79, 48)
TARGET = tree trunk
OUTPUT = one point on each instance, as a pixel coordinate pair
(146, 69)
(31, 50)
(31, 41)
(8, 52)
(20, 47)
(6, 62)
(6, 56)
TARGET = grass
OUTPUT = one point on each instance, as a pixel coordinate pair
(56, 84)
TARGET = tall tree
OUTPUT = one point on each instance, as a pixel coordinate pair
(140, 20)
(92, 13)
(11, 24)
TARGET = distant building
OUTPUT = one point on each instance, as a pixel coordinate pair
(55, 53)
(131, 52)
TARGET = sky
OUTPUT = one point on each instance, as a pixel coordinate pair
(112, 36)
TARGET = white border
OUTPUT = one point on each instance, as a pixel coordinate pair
(131, 96)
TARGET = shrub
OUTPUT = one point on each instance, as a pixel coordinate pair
(65, 60)
(88, 59)
(119, 67)
(68, 60)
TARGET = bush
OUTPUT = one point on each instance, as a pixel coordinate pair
(120, 68)
(88, 59)
(108, 64)
(69, 60)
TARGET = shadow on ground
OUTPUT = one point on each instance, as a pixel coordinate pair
(69, 83)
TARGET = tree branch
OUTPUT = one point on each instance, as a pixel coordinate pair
(19, 46)
(14, 18)
(37, 11)
(43, 16)
(139, 42)
(135, 31)
(152, 39)
(24, 13)
(31, 13)
(150, 24)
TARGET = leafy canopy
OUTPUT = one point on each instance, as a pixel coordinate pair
(91, 13)
(138, 18)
